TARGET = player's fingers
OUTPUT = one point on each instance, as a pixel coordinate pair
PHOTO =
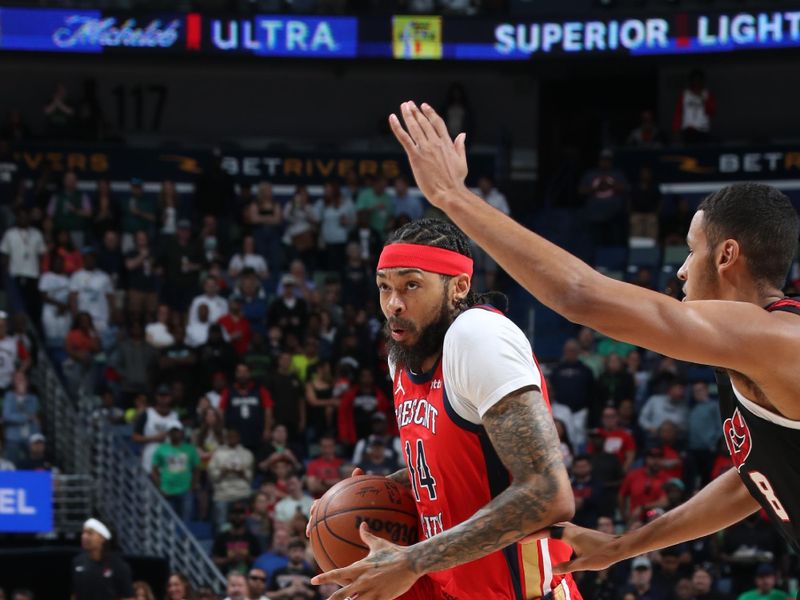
(357, 472)
(461, 145)
(346, 593)
(423, 122)
(311, 514)
(401, 134)
(343, 576)
(412, 126)
(435, 120)
(370, 540)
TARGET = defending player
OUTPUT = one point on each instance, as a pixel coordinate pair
(483, 459)
(742, 241)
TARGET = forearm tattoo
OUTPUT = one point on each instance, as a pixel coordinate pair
(401, 477)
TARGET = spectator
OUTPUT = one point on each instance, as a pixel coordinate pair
(236, 327)
(256, 584)
(54, 290)
(323, 472)
(616, 440)
(265, 218)
(457, 113)
(104, 211)
(641, 377)
(140, 265)
(645, 206)
(573, 382)
(235, 549)
(209, 436)
(157, 333)
(701, 586)
(247, 407)
(219, 382)
(110, 259)
(368, 239)
(248, 259)
(319, 400)
(293, 580)
(567, 450)
(669, 567)
(376, 461)
(216, 356)
(643, 488)
(59, 115)
(675, 490)
(391, 443)
(177, 360)
(604, 188)
(82, 346)
(142, 591)
(197, 330)
(277, 450)
(286, 390)
(672, 462)
(296, 501)
(641, 584)
(99, 573)
(615, 384)
(135, 361)
(71, 210)
(289, 312)
(259, 521)
(356, 274)
(647, 134)
(404, 202)
(107, 413)
(337, 217)
(5, 465)
(169, 208)
(91, 291)
(746, 545)
(22, 247)
(357, 406)
(378, 205)
(277, 555)
(704, 435)
(587, 353)
(665, 407)
(231, 474)
(205, 593)
(152, 426)
(20, 417)
(180, 263)
(765, 586)
(587, 491)
(65, 249)
(179, 587)
(254, 301)
(217, 305)
(600, 585)
(176, 471)
(694, 110)
(13, 355)
(237, 586)
(37, 459)
(301, 219)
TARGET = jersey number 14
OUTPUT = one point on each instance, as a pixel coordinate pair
(420, 474)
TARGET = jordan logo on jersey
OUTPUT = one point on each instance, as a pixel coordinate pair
(737, 437)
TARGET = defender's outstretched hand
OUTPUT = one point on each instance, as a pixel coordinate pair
(595, 550)
(439, 163)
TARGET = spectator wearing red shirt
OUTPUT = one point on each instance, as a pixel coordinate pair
(235, 326)
(672, 463)
(358, 403)
(247, 407)
(617, 440)
(643, 488)
(324, 472)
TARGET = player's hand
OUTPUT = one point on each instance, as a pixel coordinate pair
(439, 163)
(384, 574)
(356, 472)
(595, 550)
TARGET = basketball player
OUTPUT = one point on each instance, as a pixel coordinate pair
(741, 241)
(483, 457)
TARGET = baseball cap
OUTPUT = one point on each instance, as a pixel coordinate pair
(641, 562)
(36, 437)
(765, 569)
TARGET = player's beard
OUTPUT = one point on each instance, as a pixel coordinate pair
(429, 342)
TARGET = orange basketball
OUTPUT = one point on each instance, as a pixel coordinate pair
(385, 506)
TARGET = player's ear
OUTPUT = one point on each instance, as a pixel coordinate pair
(727, 254)
(460, 285)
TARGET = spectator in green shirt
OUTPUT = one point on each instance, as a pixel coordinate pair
(765, 586)
(378, 203)
(176, 471)
(139, 213)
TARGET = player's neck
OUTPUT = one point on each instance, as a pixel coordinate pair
(428, 363)
(754, 293)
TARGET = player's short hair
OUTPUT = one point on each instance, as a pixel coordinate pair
(764, 223)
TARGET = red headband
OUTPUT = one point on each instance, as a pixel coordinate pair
(427, 258)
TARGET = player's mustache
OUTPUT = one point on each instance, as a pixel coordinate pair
(400, 323)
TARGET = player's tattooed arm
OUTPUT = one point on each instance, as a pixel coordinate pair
(522, 433)
(401, 477)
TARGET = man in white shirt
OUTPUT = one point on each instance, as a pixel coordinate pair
(91, 291)
(296, 500)
(56, 318)
(22, 246)
(485, 266)
(217, 305)
(13, 355)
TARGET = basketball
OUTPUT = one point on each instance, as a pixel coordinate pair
(385, 506)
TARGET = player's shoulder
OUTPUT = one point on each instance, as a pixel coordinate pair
(481, 323)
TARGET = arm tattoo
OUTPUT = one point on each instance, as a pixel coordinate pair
(522, 433)
(401, 477)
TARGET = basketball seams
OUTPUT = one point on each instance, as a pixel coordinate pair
(344, 511)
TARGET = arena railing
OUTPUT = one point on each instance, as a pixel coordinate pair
(88, 450)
